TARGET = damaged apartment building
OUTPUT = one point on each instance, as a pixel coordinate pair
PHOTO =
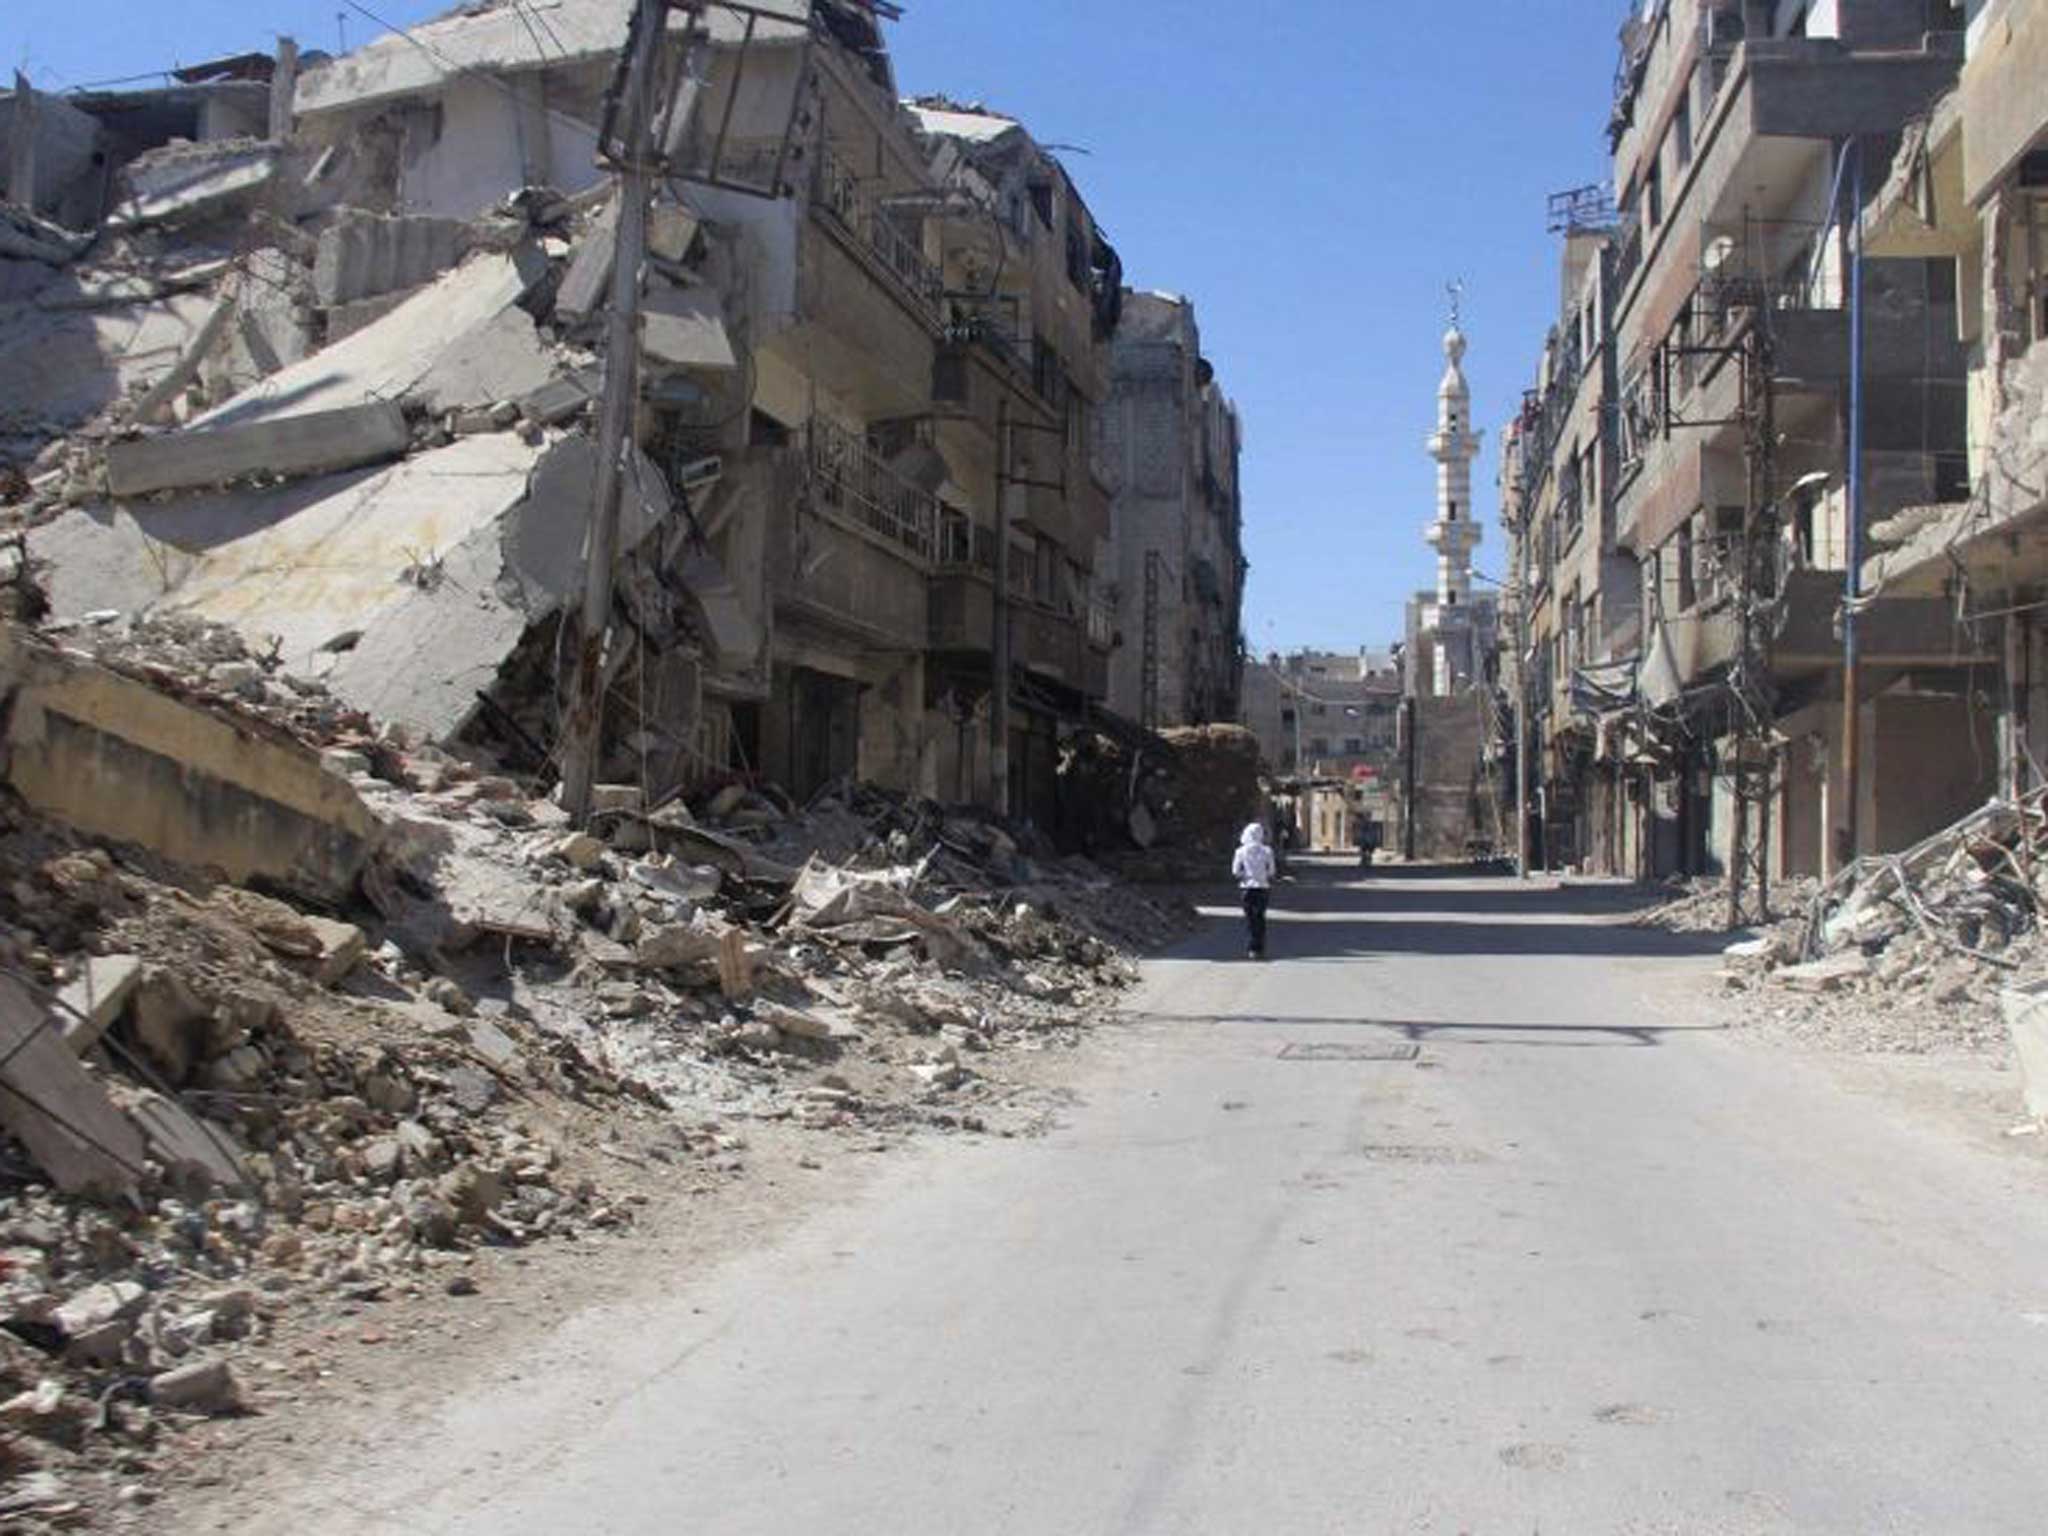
(1739, 400)
(1174, 563)
(315, 347)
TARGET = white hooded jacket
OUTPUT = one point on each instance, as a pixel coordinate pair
(1253, 863)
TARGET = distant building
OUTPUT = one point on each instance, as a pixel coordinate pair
(1328, 724)
(1174, 559)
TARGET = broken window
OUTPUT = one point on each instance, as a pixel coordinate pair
(1688, 580)
(1681, 128)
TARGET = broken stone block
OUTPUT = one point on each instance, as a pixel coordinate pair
(1827, 975)
(95, 1000)
(493, 1044)
(205, 1386)
(48, 1412)
(580, 850)
(170, 1024)
(448, 995)
(100, 1347)
(791, 1021)
(98, 1305)
(473, 1091)
(342, 947)
(392, 1094)
(675, 945)
(344, 761)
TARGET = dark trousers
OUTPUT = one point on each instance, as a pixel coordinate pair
(1255, 917)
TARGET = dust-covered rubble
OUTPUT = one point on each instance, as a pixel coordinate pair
(345, 1104)
(1912, 953)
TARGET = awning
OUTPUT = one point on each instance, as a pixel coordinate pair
(1604, 686)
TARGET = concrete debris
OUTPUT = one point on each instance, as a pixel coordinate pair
(92, 1002)
(316, 443)
(204, 1386)
(451, 344)
(56, 1109)
(684, 327)
(184, 181)
(1934, 949)
(111, 755)
(362, 255)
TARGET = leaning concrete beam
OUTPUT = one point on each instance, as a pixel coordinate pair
(159, 395)
(53, 1106)
(115, 758)
(590, 270)
(291, 445)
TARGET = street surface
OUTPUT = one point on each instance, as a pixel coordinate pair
(1584, 1265)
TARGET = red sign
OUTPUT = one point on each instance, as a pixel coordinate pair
(1365, 771)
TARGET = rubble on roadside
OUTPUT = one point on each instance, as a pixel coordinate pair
(336, 1103)
(1906, 952)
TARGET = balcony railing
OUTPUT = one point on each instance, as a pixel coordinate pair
(964, 544)
(848, 476)
(838, 192)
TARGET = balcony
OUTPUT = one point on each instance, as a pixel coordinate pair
(849, 479)
(1068, 648)
(842, 197)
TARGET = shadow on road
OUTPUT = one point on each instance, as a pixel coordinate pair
(1330, 909)
(1446, 1032)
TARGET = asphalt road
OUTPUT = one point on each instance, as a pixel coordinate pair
(1582, 1265)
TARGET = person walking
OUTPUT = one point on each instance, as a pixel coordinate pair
(1253, 866)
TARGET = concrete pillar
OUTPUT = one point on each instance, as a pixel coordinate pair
(284, 85)
(21, 159)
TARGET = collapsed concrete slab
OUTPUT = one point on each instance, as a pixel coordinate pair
(180, 182)
(316, 443)
(403, 590)
(364, 255)
(457, 342)
(116, 758)
(61, 367)
(685, 328)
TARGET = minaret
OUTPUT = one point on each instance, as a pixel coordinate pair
(1455, 532)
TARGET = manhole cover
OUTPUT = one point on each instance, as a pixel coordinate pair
(1405, 1152)
(1345, 1050)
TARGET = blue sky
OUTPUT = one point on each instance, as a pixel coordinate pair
(1308, 173)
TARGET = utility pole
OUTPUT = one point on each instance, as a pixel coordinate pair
(1852, 577)
(583, 731)
(999, 648)
(1521, 717)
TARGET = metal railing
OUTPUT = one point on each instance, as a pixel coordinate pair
(848, 476)
(838, 191)
(963, 543)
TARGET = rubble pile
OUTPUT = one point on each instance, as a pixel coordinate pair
(1189, 802)
(331, 1103)
(1906, 952)
(316, 1134)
